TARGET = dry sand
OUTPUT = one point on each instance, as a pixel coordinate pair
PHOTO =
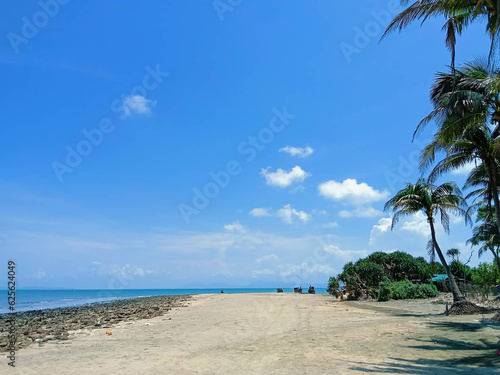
(276, 334)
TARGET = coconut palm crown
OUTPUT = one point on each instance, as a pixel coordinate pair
(430, 199)
(467, 112)
(458, 15)
(433, 201)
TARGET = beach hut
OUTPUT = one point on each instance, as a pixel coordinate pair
(442, 277)
(441, 282)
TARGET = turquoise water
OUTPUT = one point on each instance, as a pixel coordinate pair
(49, 299)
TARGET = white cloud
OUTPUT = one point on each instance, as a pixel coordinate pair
(127, 271)
(383, 225)
(235, 227)
(304, 269)
(418, 224)
(315, 211)
(139, 271)
(282, 178)
(350, 192)
(302, 152)
(361, 212)
(287, 214)
(410, 234)
(267, 258)
(332, 224)
(259, 212)
(263, 273)
(39, 274)
(137, 104)
(465, 170)
(345, 255)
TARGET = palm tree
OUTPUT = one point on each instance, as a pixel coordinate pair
(458, 15)
(466, 106)
(423, 196)
(486, 234)
(453, 253)
(481, 195)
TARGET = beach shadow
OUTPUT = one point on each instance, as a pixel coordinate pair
(479, 355)
(463, 327)
(390, 310)
(415, 315)
(457, 345)
(421, 367)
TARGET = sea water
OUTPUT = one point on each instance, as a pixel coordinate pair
(48, 299)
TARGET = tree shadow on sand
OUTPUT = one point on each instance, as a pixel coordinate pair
(479, 357)
(390, 310)
(463, 327)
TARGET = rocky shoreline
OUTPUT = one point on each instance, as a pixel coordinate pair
(55, 324)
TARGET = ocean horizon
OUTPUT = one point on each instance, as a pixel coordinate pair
(40, 299)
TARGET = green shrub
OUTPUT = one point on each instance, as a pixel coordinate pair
(429, 290)
(363, 277)
(485, 275)
(402, 289)
(333, 286)
(385, 291)
(399, 266)
(405, 290)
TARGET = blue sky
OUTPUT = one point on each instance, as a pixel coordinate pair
(115, 115)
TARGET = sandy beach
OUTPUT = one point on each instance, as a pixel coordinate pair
(275, 334)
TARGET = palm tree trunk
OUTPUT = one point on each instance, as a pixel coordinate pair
(496, 260)
(492, 178)
(457, 294)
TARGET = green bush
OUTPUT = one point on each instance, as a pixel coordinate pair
(385, 291)
(363, 277)
(405, 290)
(459, 270)
(402, 289)
(429, 290)
(400, 266)
(333, 286)
(485, 275)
